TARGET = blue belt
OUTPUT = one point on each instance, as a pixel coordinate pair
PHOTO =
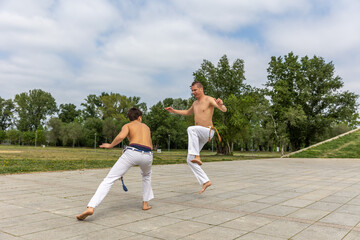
(138, 150)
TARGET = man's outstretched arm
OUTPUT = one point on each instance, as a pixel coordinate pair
(118, 139)
(190, 111)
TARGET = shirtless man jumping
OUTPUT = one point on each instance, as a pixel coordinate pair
(203, 131)
(139, 152)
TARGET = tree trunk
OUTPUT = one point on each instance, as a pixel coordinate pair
(223, 148)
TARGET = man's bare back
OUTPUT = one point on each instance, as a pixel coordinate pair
(136, 131)
(139, 133)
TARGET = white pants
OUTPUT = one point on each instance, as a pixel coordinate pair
(127, 160)
(198, 136)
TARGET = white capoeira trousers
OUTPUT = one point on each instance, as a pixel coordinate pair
(198, 136)
(127, 160)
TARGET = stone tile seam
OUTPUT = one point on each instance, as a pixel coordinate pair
(269, 216)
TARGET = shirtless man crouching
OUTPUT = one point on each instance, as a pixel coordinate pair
(139, 152)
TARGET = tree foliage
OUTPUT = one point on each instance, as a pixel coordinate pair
(91, 107)
(68, 112)
(302, 104)
(6, 113)
(306, 98)
(116, 106)
(225, 82)
(33, 108)
(54, 134)
(165, 126)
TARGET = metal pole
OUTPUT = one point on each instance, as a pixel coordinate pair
(95, 143)
(212, 145)
(169, 144)
(35, 137)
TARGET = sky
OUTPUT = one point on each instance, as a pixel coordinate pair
(150, 49)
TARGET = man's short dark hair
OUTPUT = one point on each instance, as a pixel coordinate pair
(134, 114)
(198, 84)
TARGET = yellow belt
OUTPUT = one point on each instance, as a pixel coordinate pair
(214, 128)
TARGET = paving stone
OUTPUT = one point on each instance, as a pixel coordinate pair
(189, 213)
(342, 219)
(27, 228)
(4, 236)
(353, 235)
(178, 230)
(278, 210)
(247, 223)
(272, 199)
(217, 217)
(104, 234)
(325, 206)
(251, 207)
(336, 199)
(321, 233)
(257, 236)
(297, 202)
(26, 219)
(309, 214)
(148, 224)
(350, 209)
(65, 231)
(216, 233)
(282, 228)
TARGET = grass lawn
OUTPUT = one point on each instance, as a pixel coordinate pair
(19, 159)
(343, 147)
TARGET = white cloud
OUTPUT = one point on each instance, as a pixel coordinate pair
(333, 34)
(229, 15)
(150, 49)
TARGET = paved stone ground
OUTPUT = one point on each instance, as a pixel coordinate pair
(270, 199)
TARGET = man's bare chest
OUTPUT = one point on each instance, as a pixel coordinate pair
(201, 108)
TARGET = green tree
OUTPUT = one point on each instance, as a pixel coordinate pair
(33, 108)
(165, 126)
(29, 137)
(116, 106)
(2, 135)
(91, 127)
(225, 82)
(40, 137)
(91, 107)
(111, 128)
(306, 97)
(13, 135)
(71, 131)
(6, 113)
(54, 134)
(68, 112)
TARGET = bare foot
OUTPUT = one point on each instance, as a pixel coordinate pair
(205, 186)
(146, 206)
(197, 160)
(89, 211)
